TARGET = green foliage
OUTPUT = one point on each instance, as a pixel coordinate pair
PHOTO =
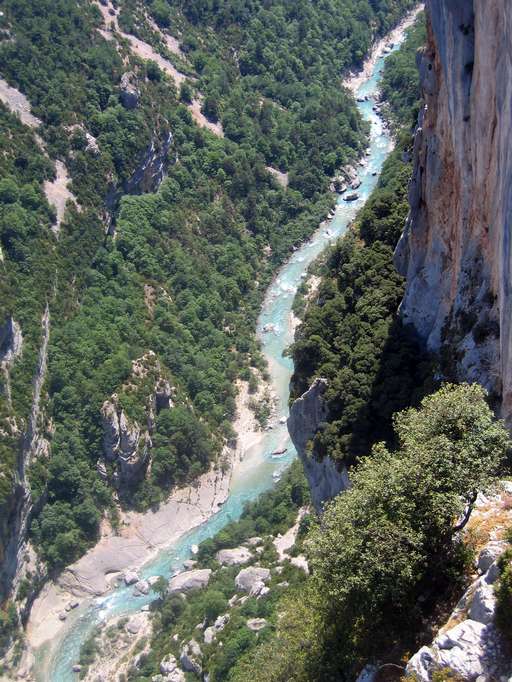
(503, 590)
(400, 79)
(9, 624)
(353, 337)
(387, 551)
(395, 528)
(197, 244)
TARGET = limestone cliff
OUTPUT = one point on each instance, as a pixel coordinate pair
(456, 248)
(307, 413)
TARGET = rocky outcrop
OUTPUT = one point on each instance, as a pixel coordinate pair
(128, 90)
(252, 579)
(456, 248)
(470, 644)
(14, 548)
(325, 478)
(146, 177)
(11, 345)
(124, 444)
(190, 658)
(127, 443)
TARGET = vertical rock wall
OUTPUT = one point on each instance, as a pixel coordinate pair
(456, 251)
(325, 478)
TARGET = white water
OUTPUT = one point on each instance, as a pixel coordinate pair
(255, 475)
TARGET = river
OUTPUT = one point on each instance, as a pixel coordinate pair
(256, 472)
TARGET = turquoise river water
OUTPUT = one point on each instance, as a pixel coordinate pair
(256, 472)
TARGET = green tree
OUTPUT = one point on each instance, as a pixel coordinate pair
(393, 537)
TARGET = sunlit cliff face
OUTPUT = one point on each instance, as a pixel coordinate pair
(455, 250)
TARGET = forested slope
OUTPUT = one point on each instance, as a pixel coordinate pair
(351, 334)
(125, 324)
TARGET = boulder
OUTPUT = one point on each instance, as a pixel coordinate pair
(489, 555)
(189, 563)
(190, 657)
(218, 626)
(262, 591)
(124, 443)
(256, 624)
(461, 649)
(168, 664)
(300, 562)
(189, 580)
(142, 586)
(209, 635)
(92, 144)
(233, 557)
(130, 577)
(135, 623)
(251, 578)
(76, 668)
(367, 674)
(420, 665)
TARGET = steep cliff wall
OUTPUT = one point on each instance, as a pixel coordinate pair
(456, 250)
(307, 414)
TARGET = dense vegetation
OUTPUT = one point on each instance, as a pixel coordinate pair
(184, 275)
(399, 85)
(388, 551)
(503, 589)
(352, 336)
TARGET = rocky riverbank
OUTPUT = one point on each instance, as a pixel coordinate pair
(142, 535)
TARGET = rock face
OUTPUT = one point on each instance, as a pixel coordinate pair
(190, 658)
(456, 248)
(129, 92)
(124, 443)
(307, 413)
(473, 647)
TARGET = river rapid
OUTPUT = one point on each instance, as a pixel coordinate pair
(258, 470)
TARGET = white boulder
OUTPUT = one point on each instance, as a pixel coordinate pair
(189, 580)
(483, 605)
(168, 664)
(300, 562)
(131, 577)
(489, 554)
(256, 624)
(251, 578)
(233, 557)
(142, 586)
(135, 623)
(256, 540)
